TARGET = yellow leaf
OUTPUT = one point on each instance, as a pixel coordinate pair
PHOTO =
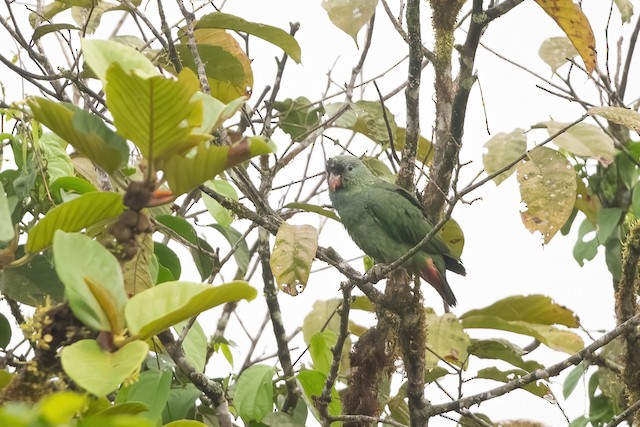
(575, 24)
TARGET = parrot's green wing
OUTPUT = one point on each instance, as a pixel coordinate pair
(402, 216)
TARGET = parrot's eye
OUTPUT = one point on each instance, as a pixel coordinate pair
(350, 168)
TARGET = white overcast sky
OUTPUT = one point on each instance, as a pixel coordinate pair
(501, 257)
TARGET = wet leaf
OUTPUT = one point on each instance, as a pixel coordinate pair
(548, 188)
(292, 255)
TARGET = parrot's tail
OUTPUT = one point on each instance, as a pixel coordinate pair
(432, 275)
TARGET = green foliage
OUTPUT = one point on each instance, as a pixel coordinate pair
(253, 396)
(154, 310)
(74, 215)
(98, 371)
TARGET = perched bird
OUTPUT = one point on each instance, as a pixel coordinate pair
(385, 221)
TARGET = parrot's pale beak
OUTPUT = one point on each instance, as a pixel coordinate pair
(335, 181)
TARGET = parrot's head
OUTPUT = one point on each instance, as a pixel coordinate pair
(343, 171)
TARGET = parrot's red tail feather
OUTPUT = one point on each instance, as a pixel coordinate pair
(431, 274)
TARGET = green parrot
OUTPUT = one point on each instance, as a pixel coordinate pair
(385, 221)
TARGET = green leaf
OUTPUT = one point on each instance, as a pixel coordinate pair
(292, 255)
(635, 200)
(453, 237)
(581, 421)
(379, 168)
(320, 350)
(571, 381)
(225, 71)
(84, 131)
(185, 423)
(253, 397)
(584, 140)
(154, 310)
(312, 383)
(127, 408)
(446, 339)
(152, 389)
(181, 401)
(554, 338)
(101, 54)
(168, 259)
(215, 112)
(529, 308)
(137, 271)
(613, 257)
(223, 216)
(59, 408)
(6, 226)
(194, 344)
(280, 419)
(626, 10)
(502, 350)
(425, 149)
(58, 163)
(51, 28)
(74, 215)
(548, 187)
(608, 220)
(307, 207)
(185, 229)
(501, 150)
(93, 281)
(47, 12)
(557, 51)
(585, 249)
(70, 183)
(5, 331)
(241, 254)
(350, 15)
(538, 388)
(32, 283)
(157, 114)
(273, 35)
(367, 118)
(184, 173)
(101, 372)
(298, 116)
(622, 116)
